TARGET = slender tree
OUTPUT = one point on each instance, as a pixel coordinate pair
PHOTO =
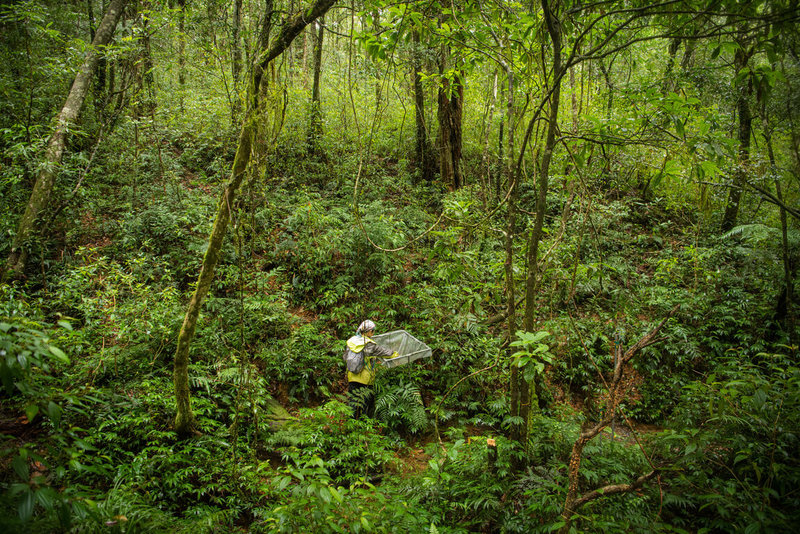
(46, 179)
(181, 50)
(744, 90)
(236, 55)
(184, 418)
(423, 150)
(315, 115)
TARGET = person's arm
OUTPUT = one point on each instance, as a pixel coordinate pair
(379, 351)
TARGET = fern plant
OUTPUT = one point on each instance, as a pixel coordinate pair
(400, 407)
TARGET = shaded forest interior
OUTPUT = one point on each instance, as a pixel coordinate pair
(589, 211)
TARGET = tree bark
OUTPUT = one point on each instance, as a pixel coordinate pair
(672, 51)
(236, 55)
(46, 179)
(485, 157)
(451, 101)
(144, 67)
(181, 50)
(424, 152)
(783, 315)
(315, 125)
(184, 418)
(511, 305)
(532, 279)
(744, 91)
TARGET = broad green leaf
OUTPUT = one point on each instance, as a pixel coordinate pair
(54, 412)
(26, 506)
(58, 353)
(31, 410)
(21, 467)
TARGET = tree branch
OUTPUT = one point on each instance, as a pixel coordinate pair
(612, 489)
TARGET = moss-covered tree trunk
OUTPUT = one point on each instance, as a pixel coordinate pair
(46, 179)
(184, 418)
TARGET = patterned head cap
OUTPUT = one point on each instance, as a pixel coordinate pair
(365, 326)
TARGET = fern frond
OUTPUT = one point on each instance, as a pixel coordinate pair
(752, 232)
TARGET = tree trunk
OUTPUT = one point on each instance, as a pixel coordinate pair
(744, 90)
(46, 179)
(451, 101)
(672, 51)
(236, 55)
(450, 104)
(532, 278)
(315, 126)
(511, 302)
(146, 98)
(100, 75)
(424, 152)
(485, 157)
(181, 50)
(784, 315)
(184, 418)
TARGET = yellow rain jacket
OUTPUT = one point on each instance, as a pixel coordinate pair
(372, 351)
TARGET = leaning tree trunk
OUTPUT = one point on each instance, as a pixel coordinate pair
(45, 181)
(184, 418)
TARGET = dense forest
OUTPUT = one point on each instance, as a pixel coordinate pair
(589, 211)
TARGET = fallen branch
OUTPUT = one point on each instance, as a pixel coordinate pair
(613, 489)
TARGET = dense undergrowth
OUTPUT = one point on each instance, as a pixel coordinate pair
(87, 338)
(87, 407)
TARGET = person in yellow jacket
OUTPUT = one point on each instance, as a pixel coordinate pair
(360, 389)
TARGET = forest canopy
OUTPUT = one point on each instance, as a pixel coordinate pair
(589, 211)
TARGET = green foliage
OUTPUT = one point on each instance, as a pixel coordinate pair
(352, 449)
(637, 188)
(25, 350)
(308, 362)
(400, 407)
(534, 355)
(744, 456)
(459, 489)
(309, 501)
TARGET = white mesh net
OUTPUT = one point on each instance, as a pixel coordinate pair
(407, 346)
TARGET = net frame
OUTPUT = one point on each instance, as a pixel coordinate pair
(408, 347)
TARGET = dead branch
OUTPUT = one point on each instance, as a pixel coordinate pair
(613, 489)
(616, 391)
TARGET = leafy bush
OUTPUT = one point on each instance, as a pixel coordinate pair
(400, 407)
(352, 449)
(742, 469)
